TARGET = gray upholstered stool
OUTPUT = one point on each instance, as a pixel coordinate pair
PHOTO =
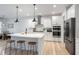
(32, 47)
(21, 43)
(11, 43)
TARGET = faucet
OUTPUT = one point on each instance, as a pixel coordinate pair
(26, 30)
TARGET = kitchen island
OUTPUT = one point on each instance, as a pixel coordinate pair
(30, 37)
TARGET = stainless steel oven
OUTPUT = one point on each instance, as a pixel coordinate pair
(56, 31)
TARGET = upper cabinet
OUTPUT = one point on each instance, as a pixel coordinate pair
(71, 12)
(57, 20)
(46, 21)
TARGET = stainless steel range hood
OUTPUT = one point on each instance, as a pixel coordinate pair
(39, 20)
(39, 27)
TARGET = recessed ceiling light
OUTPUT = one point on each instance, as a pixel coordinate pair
(20, 10)
(54, 6)
(36, 8)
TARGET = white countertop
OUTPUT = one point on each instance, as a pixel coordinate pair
(28, 35)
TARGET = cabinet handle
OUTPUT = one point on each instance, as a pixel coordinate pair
(70, 41)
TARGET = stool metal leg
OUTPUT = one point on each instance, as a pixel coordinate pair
(36, 49)
(21, 49)
(28, 49)
(10, 49)
(25, 48)
(15, 48)
(33, 50)
(6, 47)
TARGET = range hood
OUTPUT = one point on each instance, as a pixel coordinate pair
(39, 20)
(39, 27)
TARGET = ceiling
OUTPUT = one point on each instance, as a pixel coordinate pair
(9, 10)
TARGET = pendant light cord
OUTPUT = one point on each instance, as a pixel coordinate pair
(34, 10)
(17, 11)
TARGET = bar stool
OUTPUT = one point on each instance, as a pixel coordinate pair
(32, 47)
(21, 43)
(10, 42)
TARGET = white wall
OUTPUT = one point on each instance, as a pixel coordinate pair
(3, 24)
(21, 25)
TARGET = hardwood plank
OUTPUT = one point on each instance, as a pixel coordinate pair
(54, 48)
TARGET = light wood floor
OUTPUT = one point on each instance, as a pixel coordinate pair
(54, 48)
(50, 48)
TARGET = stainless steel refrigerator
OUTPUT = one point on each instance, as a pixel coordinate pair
(69, 35)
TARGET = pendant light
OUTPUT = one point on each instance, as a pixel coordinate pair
(34, 20)
(17, 14)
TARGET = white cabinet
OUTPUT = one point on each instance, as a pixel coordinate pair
(71, 12)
